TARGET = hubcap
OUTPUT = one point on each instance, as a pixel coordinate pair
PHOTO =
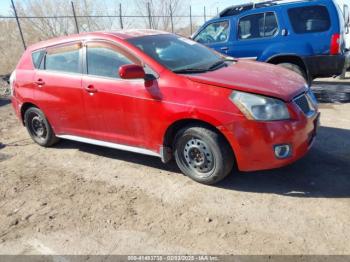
(198, 156)
(38, 127)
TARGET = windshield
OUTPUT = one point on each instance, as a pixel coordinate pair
(177, 53)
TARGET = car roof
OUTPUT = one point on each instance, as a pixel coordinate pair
(239, 9)
(122, 35)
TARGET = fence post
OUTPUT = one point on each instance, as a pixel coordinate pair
(171, 19)
(191, 23)
(75, 18)
(205, 15)
(149, 15)
(19, 25)
(121, 16)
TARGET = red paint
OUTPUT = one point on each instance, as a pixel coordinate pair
(138, 112)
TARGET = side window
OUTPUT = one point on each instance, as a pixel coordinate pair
(37, 57)
(214, 33)
(270, 25)
(258, 26)
(105, 59)
(63, 59)
(309, 19)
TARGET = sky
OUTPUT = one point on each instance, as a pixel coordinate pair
(197, 5)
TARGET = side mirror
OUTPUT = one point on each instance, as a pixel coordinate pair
(132, 72)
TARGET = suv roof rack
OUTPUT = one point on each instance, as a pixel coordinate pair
(237, 9)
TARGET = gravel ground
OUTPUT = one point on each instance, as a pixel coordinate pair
(82, 199)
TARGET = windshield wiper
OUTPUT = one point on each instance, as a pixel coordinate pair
(190, 71)
(217, 65)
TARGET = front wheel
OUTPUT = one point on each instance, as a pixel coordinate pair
(203, 154)
(39, 127)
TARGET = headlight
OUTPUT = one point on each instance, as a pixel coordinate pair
(260, 108)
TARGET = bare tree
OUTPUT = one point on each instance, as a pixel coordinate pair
(113, 21)
(158, 12)
(10, 46)
(46, 27)
(54, 18)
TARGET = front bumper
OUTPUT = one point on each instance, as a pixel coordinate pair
(253, 142)
(326, 65)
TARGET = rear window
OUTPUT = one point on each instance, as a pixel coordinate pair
(63, 59)
(37, 56)
(258, 26)
(309, 19)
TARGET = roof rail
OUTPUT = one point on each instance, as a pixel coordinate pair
(237, 9)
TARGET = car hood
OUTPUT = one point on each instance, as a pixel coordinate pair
(255, 77)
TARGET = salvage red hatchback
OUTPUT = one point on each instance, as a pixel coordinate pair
(163, 95)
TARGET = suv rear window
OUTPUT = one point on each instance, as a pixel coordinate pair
(309, 19)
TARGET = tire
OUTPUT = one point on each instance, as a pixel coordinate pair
(203, 154)
(297, 69)
(39, 127)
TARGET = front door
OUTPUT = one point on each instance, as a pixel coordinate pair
(216, 35)
(114, 107)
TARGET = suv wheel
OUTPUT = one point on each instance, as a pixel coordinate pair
(39, 128)
(203, 155)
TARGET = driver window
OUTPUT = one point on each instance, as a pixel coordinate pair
(104, 59)
(216, 32)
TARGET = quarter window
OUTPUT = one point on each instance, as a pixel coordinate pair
(105, 59)
(258, 26)
(214, 33)
(37, 57)
(63, 59)
(309, 19)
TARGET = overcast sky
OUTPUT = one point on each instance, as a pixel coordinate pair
(197, 5)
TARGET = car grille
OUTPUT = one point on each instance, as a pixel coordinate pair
(307, 103)
(303, 104)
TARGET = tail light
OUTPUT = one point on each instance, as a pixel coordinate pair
(335, 44)
(12, 82)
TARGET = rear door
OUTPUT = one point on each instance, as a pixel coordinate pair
(58, 89)
(255, 34)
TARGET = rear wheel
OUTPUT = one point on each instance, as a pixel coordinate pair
(203, 154)
(39, 128)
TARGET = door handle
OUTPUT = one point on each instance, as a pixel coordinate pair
(91, 89)
(284, 32)
(40, 82)
(224, 48)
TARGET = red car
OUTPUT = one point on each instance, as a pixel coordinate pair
(163, 95)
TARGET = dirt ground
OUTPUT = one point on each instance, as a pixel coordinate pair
(82, 199)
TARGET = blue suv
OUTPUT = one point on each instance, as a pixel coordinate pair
(304, 36)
